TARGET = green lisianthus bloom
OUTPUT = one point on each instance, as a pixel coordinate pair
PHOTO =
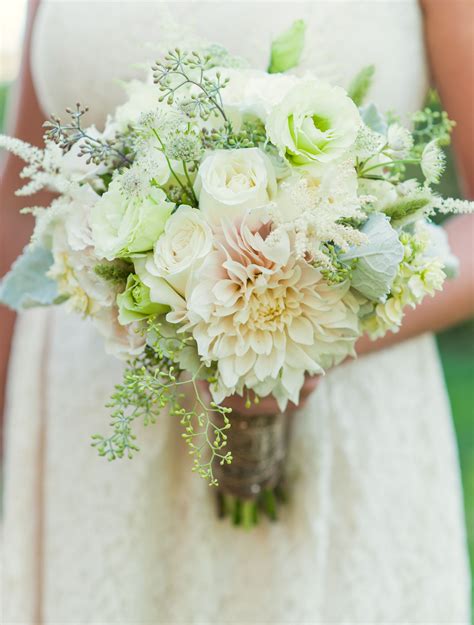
(124, 223)
(315, 122)
(135, 303)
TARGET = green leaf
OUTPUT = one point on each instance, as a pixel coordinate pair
(373, 118)
(406, 207)
(27, 285)
(359, 87)
(378, 259)
(287, 48)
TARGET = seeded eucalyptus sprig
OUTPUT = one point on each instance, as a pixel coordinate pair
(429, 125)
(96, 150)
(153, 381)
(189, 69)
(251, 134)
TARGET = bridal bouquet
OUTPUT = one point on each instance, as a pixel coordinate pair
(238, 229)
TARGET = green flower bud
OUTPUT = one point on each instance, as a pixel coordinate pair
(287, 48)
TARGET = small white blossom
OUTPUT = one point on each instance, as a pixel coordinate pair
(400, 140)
(432, 162)
(368, 142)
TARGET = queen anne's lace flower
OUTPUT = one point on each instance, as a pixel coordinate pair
(267, 317)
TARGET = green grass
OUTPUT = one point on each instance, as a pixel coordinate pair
(457, 356)
(456, 349)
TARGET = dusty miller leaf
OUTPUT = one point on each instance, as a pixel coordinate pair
(27, 285)
(378, 259)
(374, 119)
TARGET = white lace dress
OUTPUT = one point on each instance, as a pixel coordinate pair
(374, 531)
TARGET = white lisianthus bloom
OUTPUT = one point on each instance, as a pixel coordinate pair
(255, 92)
(161, 291)
(232, 182)
(124, 223)
(179, 251)
(77, 216)
(315, 122)
(264, 321)
(72, 213)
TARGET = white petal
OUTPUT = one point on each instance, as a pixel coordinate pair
(301, 330)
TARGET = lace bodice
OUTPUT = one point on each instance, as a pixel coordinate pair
(342, 37)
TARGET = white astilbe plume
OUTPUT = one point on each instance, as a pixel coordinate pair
(25, 151)
(452, 205)
(43, 167)
(311, 208)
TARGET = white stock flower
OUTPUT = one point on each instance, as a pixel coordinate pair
(420, 273)
(314, 122)
(179, 251)
(232, 182)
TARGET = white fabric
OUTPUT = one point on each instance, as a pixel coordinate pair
(374, 530)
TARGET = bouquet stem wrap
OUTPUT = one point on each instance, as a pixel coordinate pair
(253, 482)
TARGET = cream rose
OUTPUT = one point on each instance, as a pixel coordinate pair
(232, 182)
(187, 239)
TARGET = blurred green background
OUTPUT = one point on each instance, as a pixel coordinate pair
(457, 355)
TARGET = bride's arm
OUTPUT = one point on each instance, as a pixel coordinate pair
(25, 122)
(449, 30)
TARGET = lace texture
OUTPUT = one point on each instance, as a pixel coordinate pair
(373, 532)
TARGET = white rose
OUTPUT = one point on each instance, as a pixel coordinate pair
(232, 182)
(186, 241)
(314, 122)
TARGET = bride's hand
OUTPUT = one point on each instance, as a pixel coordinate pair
(266, 405)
